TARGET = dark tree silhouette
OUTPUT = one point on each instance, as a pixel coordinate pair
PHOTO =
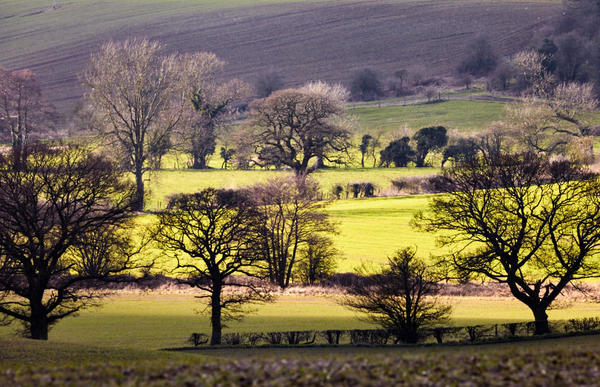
(268, 83)
(480, 58)
(521, 220)
(400, 297)
(291, 216)
(463, 151)
(365, 85)
(317, 260)
(213, 234)
(429, 139)
(398, 152)
(364, 146)
(63, 213)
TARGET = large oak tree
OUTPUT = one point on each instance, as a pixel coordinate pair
(300, 128)
(63, 215)
(520, 220)
(212, 234)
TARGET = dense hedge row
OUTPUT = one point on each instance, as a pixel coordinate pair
(468, 334)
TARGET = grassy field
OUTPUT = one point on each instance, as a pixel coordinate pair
(136, 326)
(369, 230)
(458, 116)
(167, 182)
(304, 40)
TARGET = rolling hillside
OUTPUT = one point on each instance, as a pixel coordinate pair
(303, 40)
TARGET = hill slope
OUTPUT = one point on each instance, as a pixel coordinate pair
(303, 40)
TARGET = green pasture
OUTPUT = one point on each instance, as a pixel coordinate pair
(465, 116)
(133, 326)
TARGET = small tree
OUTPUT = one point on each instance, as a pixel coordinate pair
(63, 214)
(365, 85)
(429, 139)
(398, 152)
(296, 127)
(480, 58)
(24, 115)
(212, 104)
(364, 146)
(226, 154)
(268, 83)
(520, 220)
(291, 216)
(400, 297)
(212, 235)
(318, 260)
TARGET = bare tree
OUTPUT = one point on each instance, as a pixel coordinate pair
(63, 216)
(133, 88)
(291, 214)
(318, 260)
(24, 115)
(400, 297)
(212, 104)
(551, 123)
(520, 220)
(212, 235)
(296, 127)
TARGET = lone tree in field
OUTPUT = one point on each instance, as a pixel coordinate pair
(24, 115)
(291, 216)
(212, 235)
(429, 139)
(63, 213)
(296, 127)
(400, 298)
(522, 220)
(132, 87)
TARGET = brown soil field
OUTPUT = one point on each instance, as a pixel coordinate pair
(326, 40)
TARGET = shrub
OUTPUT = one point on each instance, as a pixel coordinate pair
(365, 85)
(584, 324)
(268, 82)
(480, 58)
(197, 339)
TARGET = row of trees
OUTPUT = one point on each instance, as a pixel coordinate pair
(67, 227)
(519, 218)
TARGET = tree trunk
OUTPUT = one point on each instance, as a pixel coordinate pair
(38, 322)
(362, 160)
(138, 205)
(215, 316)
(541, 321)
(199, 161)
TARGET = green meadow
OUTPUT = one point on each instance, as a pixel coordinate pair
(135, 326)
(458, 116)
